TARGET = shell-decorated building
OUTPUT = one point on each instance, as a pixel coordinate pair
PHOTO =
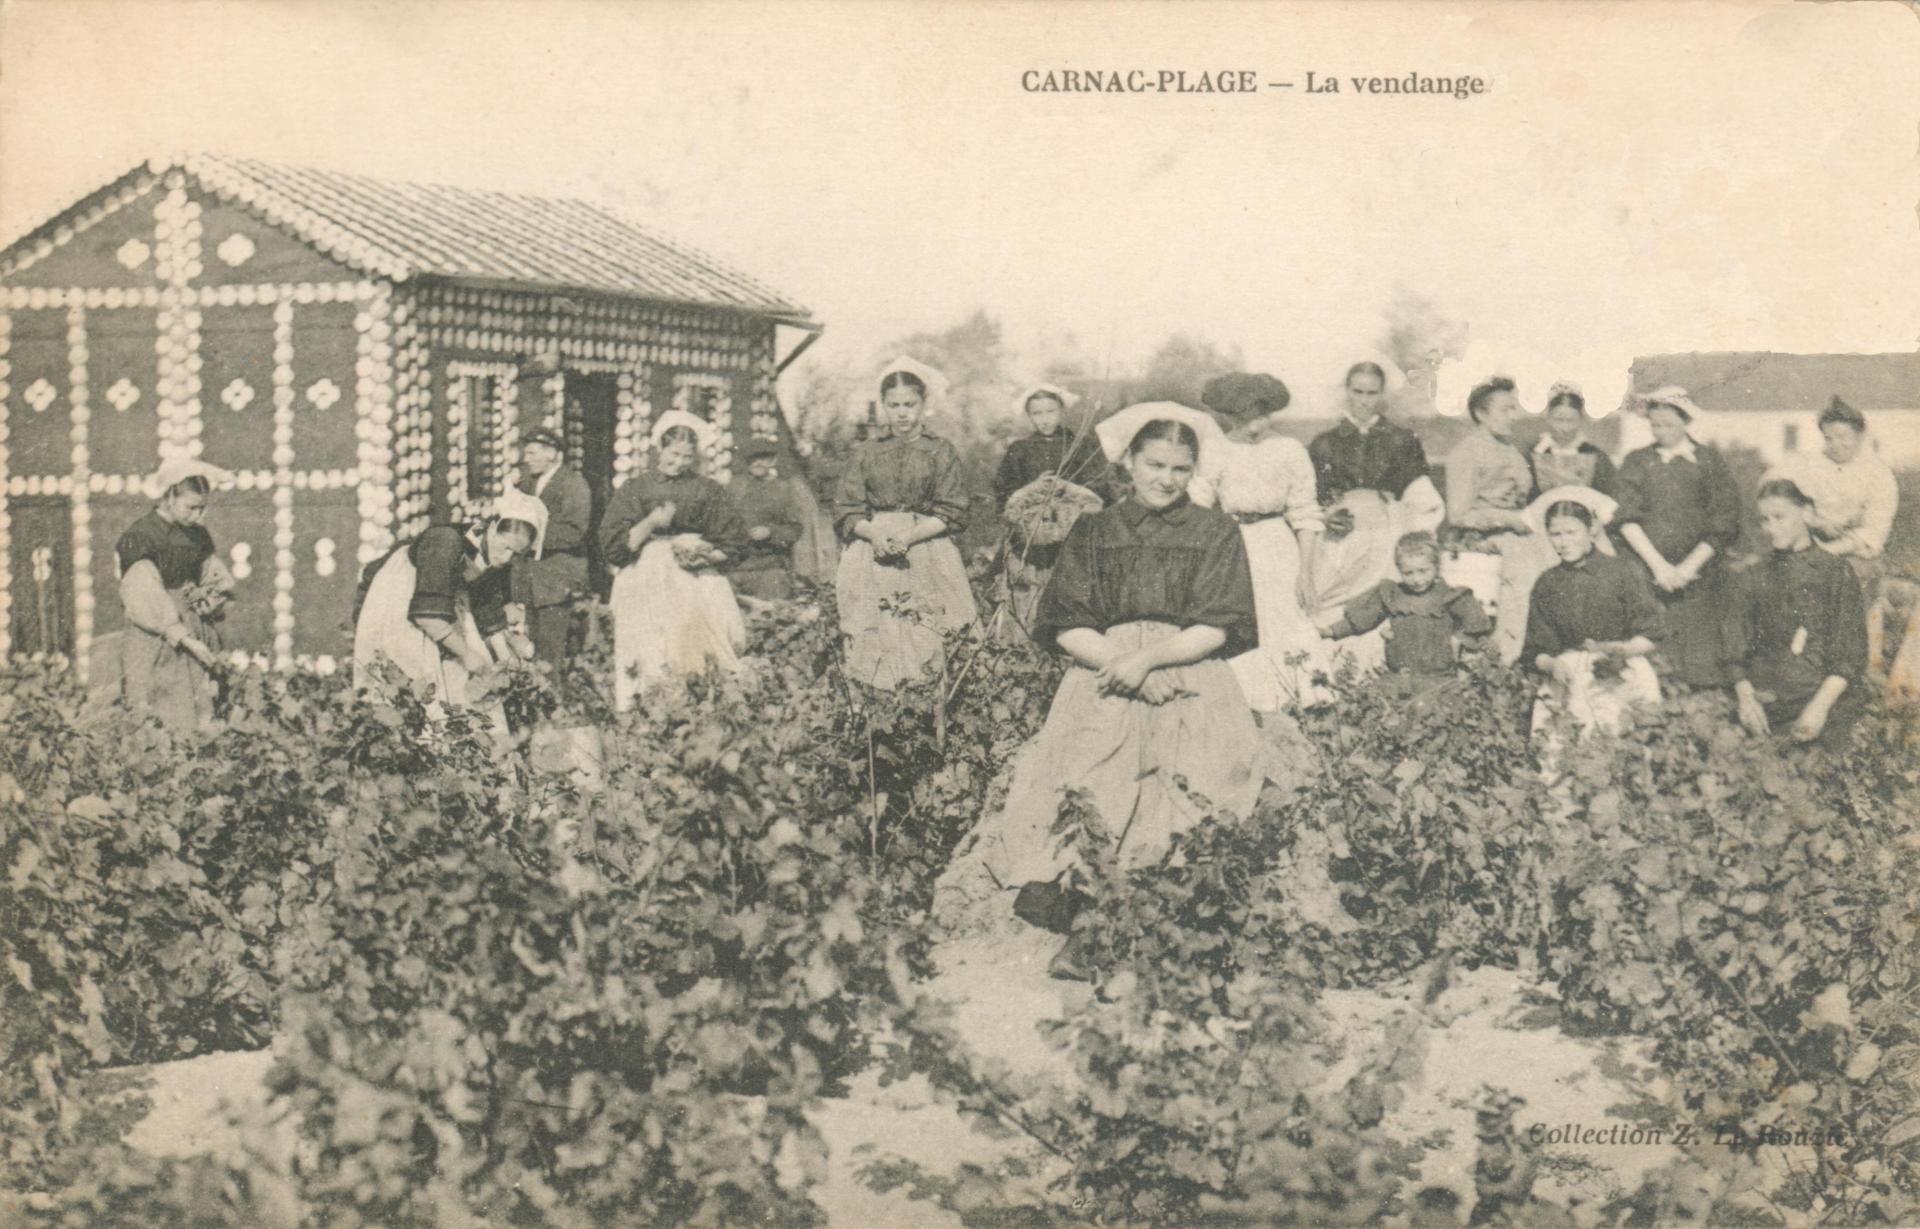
(364, 355)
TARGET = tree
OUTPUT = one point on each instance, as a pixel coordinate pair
(1419, 337)
(1181, 367)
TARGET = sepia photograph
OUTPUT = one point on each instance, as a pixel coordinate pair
(872, 614)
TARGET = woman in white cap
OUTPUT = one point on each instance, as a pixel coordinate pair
(172, 586)
(437, 607)
(663, 533)
(901, 584)
(1680, 512)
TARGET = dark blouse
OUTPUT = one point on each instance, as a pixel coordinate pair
(178, 551)
(1183, 565)
(1385, 458)
(902, 475)
(1030, 458)
(769, 502)
(700, 505)
(1680, 503)
(439, 556)
(1784, 593)
(1423, 624)
(1599, 598)
(1589, 466)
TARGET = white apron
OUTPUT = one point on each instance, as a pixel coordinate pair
(668, 621)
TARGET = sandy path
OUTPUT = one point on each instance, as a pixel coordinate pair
(1484, 1030)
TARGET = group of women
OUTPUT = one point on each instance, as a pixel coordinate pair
(1168, 604)
(1204, 551)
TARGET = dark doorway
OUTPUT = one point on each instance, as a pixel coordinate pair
(592, 405)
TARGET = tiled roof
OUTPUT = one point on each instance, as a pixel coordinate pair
(404, 230)
(1760, 380)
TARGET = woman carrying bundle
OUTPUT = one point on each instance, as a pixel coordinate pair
(1592, 624)
(1680, 511)
(1799, 633)
(172, 584)
(901, 584)
(1150, 599)
(1044, 482)
(436, 607)
(663, 532)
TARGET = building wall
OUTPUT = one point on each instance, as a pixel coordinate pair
(1776, 434)
(353, 412)
(160, 320)
(478, 369)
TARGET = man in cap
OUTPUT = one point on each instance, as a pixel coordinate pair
(772, 516)
(549, 585)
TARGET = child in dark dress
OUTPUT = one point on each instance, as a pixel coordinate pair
(1424, 615)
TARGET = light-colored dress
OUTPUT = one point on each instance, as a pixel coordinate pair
(162, 567)
(1137, 575)
(895, 613)
(1486, 480)
(1267, 485)
(427, 579)
(669, 621)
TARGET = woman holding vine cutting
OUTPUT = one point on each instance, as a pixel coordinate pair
(1149, 600)
(1044, 479)
(172, 584)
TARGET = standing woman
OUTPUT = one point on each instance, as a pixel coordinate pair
(1591, 625)
(1149, 600)
(436, 607)
(1680, 511)
(171, 583)
(1799, 646)
(1372, 478)
(1043, 482)
(1488, 482)
(1264, 481)
(664, 530)
(1563, 456)
(901, 583)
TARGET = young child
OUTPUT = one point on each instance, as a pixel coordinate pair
(1424, 615)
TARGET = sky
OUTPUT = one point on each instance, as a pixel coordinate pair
(1636, 179)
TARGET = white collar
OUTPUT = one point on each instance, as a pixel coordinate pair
(540, 483)
(1545, 444)
(1683, 450)
(1368, 426)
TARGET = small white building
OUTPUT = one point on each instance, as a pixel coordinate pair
(1771, 403)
